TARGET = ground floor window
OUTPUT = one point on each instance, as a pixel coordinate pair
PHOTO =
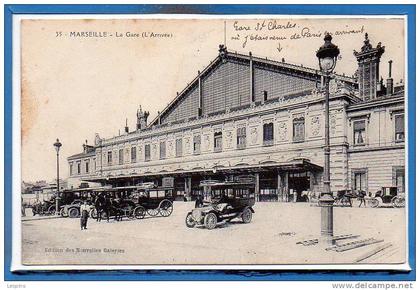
(398, 178)
(360, 179)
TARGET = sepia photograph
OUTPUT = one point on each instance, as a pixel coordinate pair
(268, 141)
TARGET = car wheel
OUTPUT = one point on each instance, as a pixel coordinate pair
(63, 212)
(139, 212)
(189, 221)
(51, 210)
(210, 221)
(93, 213)
(247, 216)
(73, 212)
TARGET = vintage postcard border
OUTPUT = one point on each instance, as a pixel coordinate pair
(401, 10)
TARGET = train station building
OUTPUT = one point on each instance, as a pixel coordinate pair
(249, 115)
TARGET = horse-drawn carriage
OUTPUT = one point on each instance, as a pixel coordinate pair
(112, 202)
(152, 200)
(386, 196)
(132, 202)
(223, 201)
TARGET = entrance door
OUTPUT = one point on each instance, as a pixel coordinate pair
(299, 184)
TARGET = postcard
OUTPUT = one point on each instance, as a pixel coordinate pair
(211, 142)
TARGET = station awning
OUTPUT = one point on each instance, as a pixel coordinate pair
(295, 165)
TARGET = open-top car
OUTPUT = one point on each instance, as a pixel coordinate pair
(223, 201)
(45, 207)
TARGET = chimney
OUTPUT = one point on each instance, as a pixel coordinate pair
(126, 126)
(390, 80)
(380, 88)
(85, 146)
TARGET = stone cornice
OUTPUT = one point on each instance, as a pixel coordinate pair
(297, 102)
(377, 102)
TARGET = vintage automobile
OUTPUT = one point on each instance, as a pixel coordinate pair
(71, 199)
(46, 207)
(387, 195)
(224, 201)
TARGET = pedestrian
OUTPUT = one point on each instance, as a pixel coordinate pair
(84, 215)
(23, 206)
(199, 200)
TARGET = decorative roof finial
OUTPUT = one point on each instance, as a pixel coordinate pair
(328, 37)
(367, 46)
(222, 52)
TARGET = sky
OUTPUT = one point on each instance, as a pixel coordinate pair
(81, 77)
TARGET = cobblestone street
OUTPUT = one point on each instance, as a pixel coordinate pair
(270, 238)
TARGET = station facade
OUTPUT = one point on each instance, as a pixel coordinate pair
(248, 115)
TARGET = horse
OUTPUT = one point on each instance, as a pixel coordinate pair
(99, 204)
(102, 205)
(116, 206)
(344, 198)
(361, 196)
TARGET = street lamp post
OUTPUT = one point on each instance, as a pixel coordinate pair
(57, 146)
(327, 56)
